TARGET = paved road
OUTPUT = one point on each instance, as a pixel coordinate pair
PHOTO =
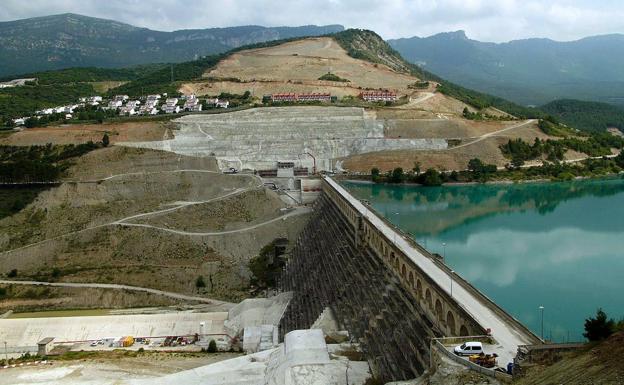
(297, 211)
(508, 335)
(490, 134)
(119, 287)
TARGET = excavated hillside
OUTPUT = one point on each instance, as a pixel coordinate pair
(146, 218)
(367, 62)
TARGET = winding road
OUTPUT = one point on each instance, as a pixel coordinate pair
(119, 287)
(178, 205)
(491, 134)
(295, 212)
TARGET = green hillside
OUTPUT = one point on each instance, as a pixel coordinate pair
(586, 116)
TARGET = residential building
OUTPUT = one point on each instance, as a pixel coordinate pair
(171, 106)
(314, 97)
(222, 104)
(284, 97)
(379, 96)
(192, 104)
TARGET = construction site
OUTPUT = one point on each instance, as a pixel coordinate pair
(222, 249)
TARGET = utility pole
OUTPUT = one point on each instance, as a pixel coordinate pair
(6, 354)
(542, 311)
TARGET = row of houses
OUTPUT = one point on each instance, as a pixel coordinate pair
(379, 96)
(369, 96)
(153, 105)
(295, 97)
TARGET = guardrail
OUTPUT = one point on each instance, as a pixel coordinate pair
(441, 349)
(458, 279)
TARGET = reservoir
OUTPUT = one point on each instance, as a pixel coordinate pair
(556, 245)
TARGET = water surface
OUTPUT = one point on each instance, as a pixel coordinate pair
(557, 245)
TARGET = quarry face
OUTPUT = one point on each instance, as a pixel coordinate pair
(259, 138)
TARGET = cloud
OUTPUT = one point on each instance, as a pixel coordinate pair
(487, 20)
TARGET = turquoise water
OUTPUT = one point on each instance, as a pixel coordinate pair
(557, 245)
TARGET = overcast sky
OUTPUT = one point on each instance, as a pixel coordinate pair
(486, 20)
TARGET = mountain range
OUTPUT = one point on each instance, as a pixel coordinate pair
(70, 40)
(529, 72)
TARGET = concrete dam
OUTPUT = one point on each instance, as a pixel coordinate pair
(258, 138)
(390, 294)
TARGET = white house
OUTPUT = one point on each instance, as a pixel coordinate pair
(192, 104)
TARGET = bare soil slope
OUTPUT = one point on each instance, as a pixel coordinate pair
(296, 67)
(81, 133)
(73, 232)
(600, 365)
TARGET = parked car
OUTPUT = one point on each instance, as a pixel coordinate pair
(94, 343)
(468, 349)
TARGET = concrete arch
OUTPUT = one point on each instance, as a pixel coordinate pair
(463, 331)
(419, 289)
(428, 298)
(410, 280)
(403, 271)
(450, 322)
(438, 311)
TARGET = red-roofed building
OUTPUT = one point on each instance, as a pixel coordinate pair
(289, 97)
(379, 96)
(292, 97)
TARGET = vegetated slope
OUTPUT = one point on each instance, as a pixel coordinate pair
(71, 40)
(600, 365)
(532, 71)
(587, 116)
(367, 45)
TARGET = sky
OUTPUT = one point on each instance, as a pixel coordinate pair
(485, 20)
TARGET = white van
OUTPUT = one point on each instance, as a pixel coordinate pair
(468, 349)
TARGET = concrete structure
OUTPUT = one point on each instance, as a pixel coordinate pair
(259, 138)
(303, 358)
(23, 334)
(395, 323)
(45, 346)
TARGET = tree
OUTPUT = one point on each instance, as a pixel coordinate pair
(200, 283)
(12, 273)
(397, 175)
(431, 177)
(475, 165)
(212, 346)
(375, 174)
(416, 168)
(599, 328)
(619, 160)
(105, 140)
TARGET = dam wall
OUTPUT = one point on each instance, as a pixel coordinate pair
(258, 138)
(388, 292)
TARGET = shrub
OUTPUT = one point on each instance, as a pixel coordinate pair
(12, 273)
(200, 283)
(598, 328)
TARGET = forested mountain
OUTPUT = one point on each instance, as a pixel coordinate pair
(69, 40)
(587, 116)
(531, 71)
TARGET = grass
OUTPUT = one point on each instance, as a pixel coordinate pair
(62, 313)
(104, 86)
